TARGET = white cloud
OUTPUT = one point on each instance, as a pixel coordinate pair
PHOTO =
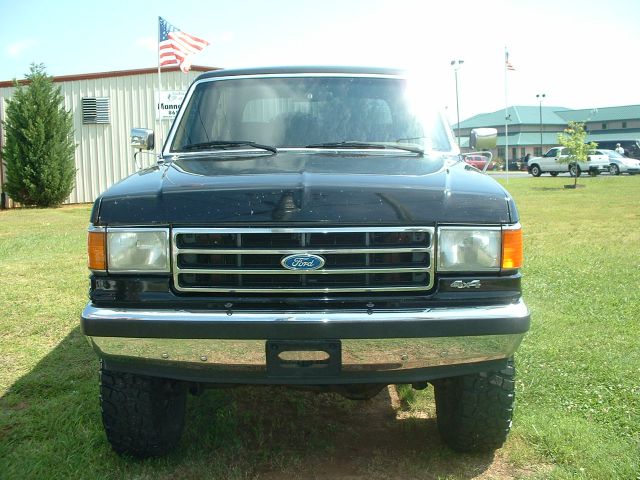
(148, 43)
(17, 48)
(224, 37)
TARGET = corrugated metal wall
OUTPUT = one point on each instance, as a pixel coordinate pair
(103, 155)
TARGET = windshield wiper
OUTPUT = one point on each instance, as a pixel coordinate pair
(228, 144)
(407, 148)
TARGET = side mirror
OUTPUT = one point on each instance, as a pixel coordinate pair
(142, 138)
(483, 138)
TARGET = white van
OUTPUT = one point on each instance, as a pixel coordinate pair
(552, 162)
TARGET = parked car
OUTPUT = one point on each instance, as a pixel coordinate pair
(552, 162)
(631, 147)
(517, 165)
(478, 161)
(619, 163)
(286, 237)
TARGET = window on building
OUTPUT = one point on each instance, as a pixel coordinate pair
(537, 151)
(95, 110)
(501, 152)
(523, 151)
(604, 126)
(624, 124)
(514, 152)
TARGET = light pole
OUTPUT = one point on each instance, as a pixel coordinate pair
(456, 66)
(540, 97)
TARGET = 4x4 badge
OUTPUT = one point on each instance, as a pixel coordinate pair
(462, 284)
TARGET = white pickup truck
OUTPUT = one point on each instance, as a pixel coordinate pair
(554, 163)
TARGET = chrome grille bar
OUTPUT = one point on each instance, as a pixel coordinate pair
(317, 251)
(324, 271)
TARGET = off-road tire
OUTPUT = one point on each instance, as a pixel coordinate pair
(474, 412)
(535, 170)
(142, 416)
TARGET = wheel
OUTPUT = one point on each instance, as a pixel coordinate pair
(553, 174)
(535, 170)
(614, 169)
(574, 170)
(474, 411)
(142, 416)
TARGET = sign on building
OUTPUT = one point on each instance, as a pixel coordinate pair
(167, 104)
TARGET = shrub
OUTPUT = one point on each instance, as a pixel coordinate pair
(39, 150)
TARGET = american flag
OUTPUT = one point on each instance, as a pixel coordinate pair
(507, 63)
(176, 47)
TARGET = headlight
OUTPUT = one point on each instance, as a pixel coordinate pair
(463, 249)
(138, 250)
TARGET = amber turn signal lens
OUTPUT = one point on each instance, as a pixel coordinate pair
(512, 253)
(96, 250)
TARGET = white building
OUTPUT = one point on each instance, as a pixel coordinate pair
(105, 106)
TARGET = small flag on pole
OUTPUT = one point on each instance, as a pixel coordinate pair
(507, 63)
(176, 47)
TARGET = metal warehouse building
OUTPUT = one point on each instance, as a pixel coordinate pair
(105, 106)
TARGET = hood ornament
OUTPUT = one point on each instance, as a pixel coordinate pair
(286, 208)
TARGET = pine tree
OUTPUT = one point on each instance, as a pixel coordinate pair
(39, 150)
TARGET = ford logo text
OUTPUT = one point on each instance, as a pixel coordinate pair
(302, 261)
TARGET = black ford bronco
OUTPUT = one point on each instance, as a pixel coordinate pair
(305, 227)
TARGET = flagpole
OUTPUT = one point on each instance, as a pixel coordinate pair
(178, 47)
(161, 133)
(506, 115)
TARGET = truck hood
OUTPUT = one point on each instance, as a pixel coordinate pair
(309, 188)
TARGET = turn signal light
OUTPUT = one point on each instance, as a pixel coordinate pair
(512, 252)
(97, 252)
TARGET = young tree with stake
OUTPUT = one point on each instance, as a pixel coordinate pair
(574, 140)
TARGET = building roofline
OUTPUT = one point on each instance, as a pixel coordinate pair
(518, 116)
(114, 73)
(603, 108)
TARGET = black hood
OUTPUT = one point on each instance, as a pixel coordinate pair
(305, 188)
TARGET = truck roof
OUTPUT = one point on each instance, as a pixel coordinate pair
(301, 69)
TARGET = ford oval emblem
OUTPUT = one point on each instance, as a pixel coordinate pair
(302, 261)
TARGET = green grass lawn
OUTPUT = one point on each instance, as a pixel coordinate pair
(578, 388)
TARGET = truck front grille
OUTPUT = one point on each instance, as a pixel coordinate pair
(355, 259)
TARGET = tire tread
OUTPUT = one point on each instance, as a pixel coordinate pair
(142, 416)
(474, 412)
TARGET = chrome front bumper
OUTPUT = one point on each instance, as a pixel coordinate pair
(357, 355)
(217, 344)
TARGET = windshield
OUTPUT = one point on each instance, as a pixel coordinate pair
(314, 112)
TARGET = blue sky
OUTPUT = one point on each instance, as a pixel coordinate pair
(579, 53)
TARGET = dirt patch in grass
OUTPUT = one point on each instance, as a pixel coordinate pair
(4, 404)
(378, 439)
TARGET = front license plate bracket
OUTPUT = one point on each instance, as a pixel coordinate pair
(303, 358)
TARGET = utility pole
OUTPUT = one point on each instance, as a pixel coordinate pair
(540, 97)
(456, 66)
